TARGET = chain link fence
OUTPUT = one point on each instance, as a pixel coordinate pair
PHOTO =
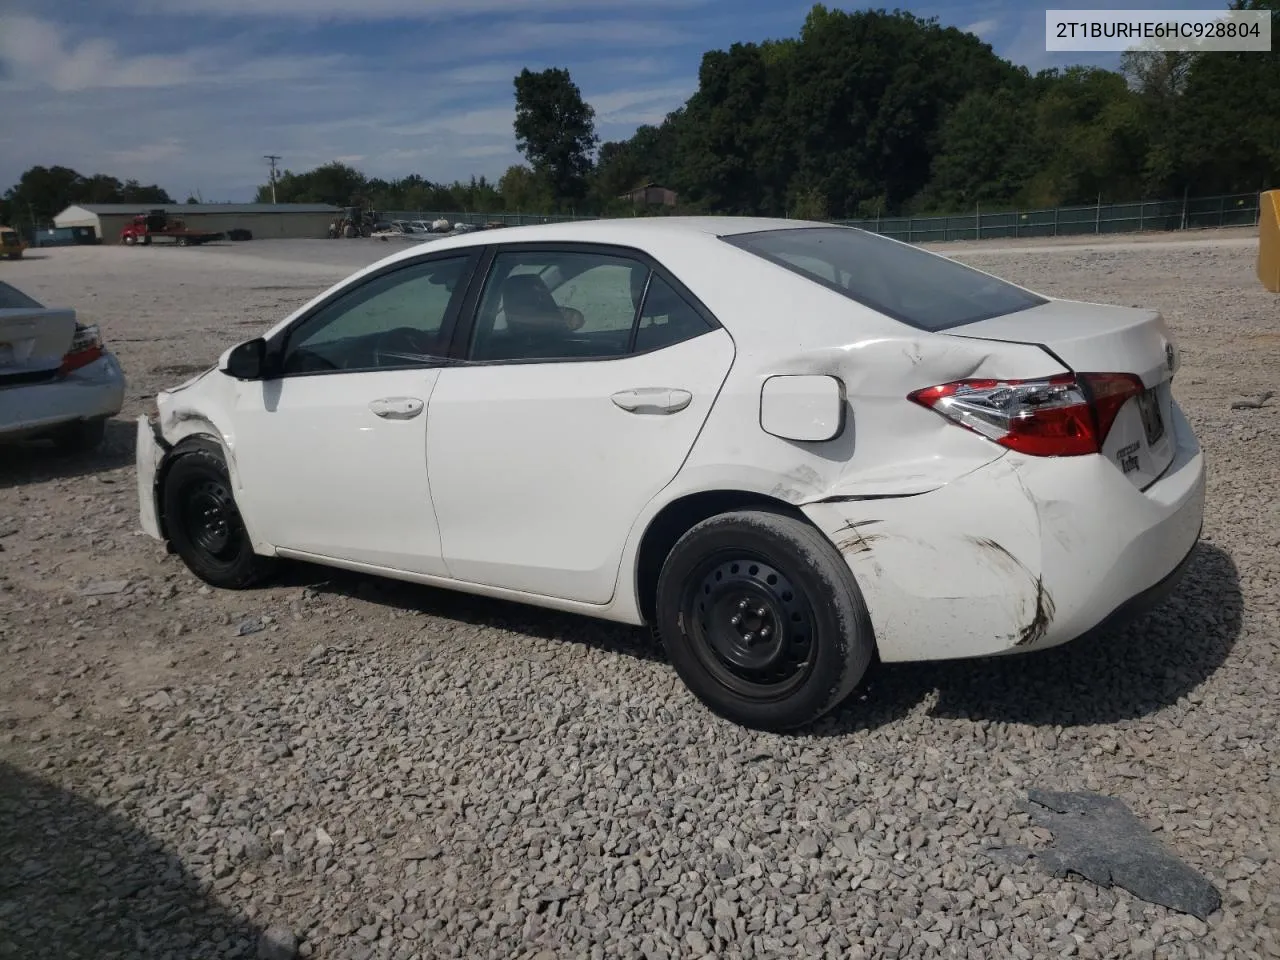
(480, 219)
(1231, 210)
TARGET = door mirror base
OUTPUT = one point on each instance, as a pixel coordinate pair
(245, 361)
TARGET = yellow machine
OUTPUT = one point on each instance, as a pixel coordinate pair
(1269, 241)
(11, 243)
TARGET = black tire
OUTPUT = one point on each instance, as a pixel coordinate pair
(83, 436)
(204, 525)
(804, 639)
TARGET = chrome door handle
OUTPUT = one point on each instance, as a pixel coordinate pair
(397, 408)
(652, 400)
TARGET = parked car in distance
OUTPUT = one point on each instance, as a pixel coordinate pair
(58, 381)
(790, 447)
(11, 243)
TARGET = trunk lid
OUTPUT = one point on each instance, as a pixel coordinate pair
(1100, 338)
(33, 342)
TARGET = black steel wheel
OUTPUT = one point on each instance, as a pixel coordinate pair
(749, 625)
(203, 523)
(210, 518)
(762, 619)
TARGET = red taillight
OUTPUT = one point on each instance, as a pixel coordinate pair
(1061, 416)
(86, 347)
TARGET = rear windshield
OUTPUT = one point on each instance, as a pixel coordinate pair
(11, 298)
(904, 282)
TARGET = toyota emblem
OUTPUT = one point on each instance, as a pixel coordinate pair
(1168, 355)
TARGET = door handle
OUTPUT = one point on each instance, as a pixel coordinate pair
(652, 400)
(397, 408)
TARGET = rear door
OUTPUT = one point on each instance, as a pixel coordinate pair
(1098, 338)
(586, 375)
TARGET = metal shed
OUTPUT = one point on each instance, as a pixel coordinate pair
(266, 221)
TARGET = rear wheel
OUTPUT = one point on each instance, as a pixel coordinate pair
(762, 619)
(130, 240)
(204, 523)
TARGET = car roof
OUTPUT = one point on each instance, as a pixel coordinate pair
(621, 231)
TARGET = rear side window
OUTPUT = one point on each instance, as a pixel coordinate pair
(904, 282)
(11, 298)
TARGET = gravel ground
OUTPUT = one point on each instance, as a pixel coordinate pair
(337, 767)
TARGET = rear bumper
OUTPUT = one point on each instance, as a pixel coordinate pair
(94, 392)
(1022, 554)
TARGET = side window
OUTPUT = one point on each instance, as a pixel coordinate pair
(395, 320)
(546, 305)
(666, 318)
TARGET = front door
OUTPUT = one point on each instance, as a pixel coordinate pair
(587, 377)
(332, 452)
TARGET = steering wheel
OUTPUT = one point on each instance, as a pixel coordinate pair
(395, 346)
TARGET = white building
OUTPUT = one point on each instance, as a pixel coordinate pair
(266, 221)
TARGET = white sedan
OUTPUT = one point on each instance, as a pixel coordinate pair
(57, 379)
(788, 446)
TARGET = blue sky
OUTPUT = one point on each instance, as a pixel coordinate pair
(191, 94)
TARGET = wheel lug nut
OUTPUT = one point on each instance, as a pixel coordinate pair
(735, 620)
(760, 611)
(749, 637)
(764, 632)
(742, 604)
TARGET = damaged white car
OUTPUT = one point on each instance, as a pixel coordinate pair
(58, 381)
(788, 446)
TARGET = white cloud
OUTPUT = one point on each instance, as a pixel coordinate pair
(633, 107)
(198, 114)
(495, 121)
(504, 72)
(393, 9)
(36, 52)
(147, 153)
(981, 27)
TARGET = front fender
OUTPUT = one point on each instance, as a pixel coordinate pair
(180, 426)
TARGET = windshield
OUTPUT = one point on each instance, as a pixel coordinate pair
(901, 281)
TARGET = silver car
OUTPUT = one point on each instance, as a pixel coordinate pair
(58, 381)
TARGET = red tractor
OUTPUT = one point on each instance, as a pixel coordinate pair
(159, 225)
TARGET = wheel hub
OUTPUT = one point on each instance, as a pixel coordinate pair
(211, 517)
(754, 626)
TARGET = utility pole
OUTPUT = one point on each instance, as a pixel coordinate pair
(272, 158)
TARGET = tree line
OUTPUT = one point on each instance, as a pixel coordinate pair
(863, 113)
(869, 113)
(43, 192)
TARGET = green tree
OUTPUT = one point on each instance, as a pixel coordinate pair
(555, 130)
(1228, 122)
(43, 192)
(523, 190)
(986, 152)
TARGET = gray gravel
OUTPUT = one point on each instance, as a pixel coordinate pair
(335, 767)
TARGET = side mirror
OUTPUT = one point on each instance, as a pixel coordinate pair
(245, 361)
